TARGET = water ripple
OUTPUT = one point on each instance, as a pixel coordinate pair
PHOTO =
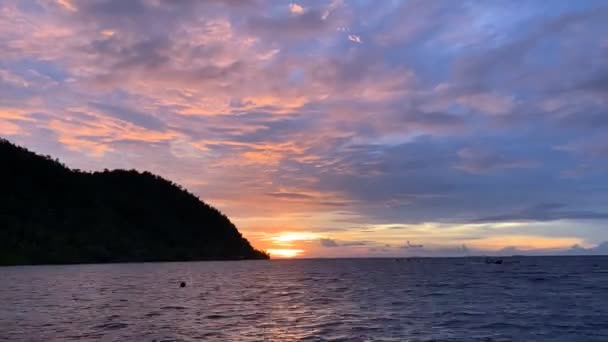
(539, 299)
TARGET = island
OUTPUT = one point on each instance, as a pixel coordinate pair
(51, 214)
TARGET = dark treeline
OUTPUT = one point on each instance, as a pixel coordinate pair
(50, 214)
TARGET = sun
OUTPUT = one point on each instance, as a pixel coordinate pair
(285, 253)
(286, 244)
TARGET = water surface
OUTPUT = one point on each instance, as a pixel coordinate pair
(460, 299)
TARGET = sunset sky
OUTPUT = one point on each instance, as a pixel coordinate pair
(332, 128)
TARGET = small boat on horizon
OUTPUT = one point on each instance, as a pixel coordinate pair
(495, 261)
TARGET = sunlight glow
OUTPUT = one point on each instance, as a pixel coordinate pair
(524, 242)
(284, 253)
(294, 236)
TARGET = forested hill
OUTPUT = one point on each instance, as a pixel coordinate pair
(50, 214)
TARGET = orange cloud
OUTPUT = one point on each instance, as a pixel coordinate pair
(95, 136)
(524, 242)
(108, 33)
(295, 8)
(9, 128)
(92, 148)
(13, 114)
(67, 5)
(246, 153)
(284, 103)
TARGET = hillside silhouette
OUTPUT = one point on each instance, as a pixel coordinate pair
(50, 214)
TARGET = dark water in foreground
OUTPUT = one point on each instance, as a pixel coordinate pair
(525, 299)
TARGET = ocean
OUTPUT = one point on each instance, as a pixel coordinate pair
(438, 299)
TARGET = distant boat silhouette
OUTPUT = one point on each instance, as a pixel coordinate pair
(409, 245)
(494, 261)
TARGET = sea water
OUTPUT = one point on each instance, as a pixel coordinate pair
(451, 299)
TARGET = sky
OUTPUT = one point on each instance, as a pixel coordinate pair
(332, 128)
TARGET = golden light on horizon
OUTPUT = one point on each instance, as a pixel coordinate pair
(284, 253)
(525, 242)
(286, 243)
(289, 237)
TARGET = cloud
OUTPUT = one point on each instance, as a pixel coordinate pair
(440, 251)
(355, 38)
(546, 212)
(410, 20)
(590, 147)
(9, 128)
(434, 122)
(354, 243)
(600, 249)
(308, 24)
(328, 243)
(331, 243)
(480, 161)
(290, 195)
(114, 7)
(141, 119)
(295, 8)
(67, 5)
